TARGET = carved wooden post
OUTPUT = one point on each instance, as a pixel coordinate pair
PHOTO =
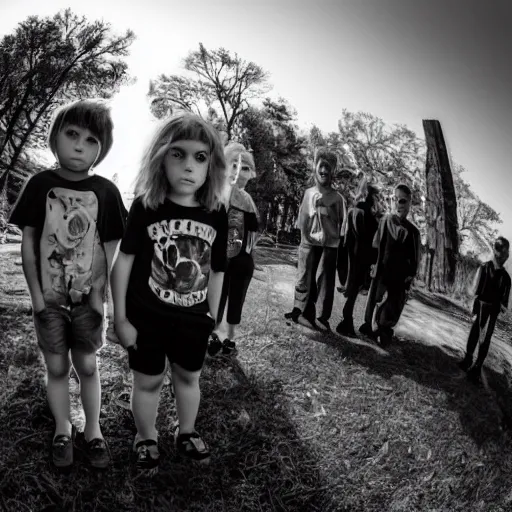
(440, 211)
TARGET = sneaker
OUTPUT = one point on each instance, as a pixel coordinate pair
(191, 446)
(214, 345)
(293, 315)
(62, 449)
(311, 319)
(342, 289)
(148, 456)
(385, 337)
(465, 364)
(325, 323)
(366, 330)
(228, 347)
(345, 328)
(475, 375)
(98, 453)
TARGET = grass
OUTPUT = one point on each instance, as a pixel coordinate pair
(298, 421)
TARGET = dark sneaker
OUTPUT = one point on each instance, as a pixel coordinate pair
(385, 337)
(475, 375)
(310, 319)
(366, 330)
(148, 456)
(342, 289)
(191, 446)
(345, 328)
(325, 323)
(465, 364)
(214, 345)
(98, 453)
(293, 315)
(62, 449)
(228, 347)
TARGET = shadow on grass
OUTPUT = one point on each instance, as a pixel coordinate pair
(259, 461)
(280, 255)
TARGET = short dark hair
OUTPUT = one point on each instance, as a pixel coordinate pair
(501, 243)
(404, 188)
(91, 114)
(329, 156)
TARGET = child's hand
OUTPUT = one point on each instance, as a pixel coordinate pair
(373, 271)
(126, 333)
(503, 309)
(38, 304)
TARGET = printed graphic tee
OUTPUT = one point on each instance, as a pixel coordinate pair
(73, 219)
(175, 249)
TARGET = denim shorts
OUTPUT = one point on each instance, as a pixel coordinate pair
(59, 329)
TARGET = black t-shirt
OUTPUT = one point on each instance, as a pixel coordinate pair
(73, 220)
(493, 285)
(175, 248)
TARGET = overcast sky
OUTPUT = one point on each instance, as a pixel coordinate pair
(402, 60)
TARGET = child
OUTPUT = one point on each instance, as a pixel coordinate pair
(492, 292)
(320, 221)
(242, 237)
(398, 243)
(361, 227)
(72, 222)
(167, 278)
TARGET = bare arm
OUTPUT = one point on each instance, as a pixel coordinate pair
(110, 253)
(119, 278)
(215, 283)
(29, 264)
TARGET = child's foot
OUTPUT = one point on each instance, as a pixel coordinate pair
(214, 345)
(342, 289)
(311, 319)
(475, 375)
(148, 456)
(293, 315)
(345, 328)
(385, 338)
(98, 453)
(366, 330)
(191, 446)
(62, 449)
(325, 323)
(465, 365)
(228, 347)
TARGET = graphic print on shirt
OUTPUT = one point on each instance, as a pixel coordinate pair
(235, 232)
(72, 259)
(181, 261)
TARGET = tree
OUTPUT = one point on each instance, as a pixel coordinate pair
(47, 62)
(476, 218)
(219, 81)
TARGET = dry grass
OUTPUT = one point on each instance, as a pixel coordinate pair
(299, 421)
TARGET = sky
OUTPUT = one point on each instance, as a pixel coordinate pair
(401, 60)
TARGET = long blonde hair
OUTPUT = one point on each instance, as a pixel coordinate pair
(151, 184)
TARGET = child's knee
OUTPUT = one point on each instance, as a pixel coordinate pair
(148, 383)
(184, 377)
(58, 368)
(85, 364)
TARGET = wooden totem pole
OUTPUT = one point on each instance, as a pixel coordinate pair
(440, 212)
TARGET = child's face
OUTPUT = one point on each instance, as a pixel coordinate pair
(501, 255)
(323, 173)
(402, 203)
(244, 173)
(186, 167)
(77, 148)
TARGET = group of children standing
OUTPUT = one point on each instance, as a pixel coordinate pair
(384, 246)
(180, 263)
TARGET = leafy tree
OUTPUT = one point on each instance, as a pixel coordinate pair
(46, 62)
(476, 218)
(219, 81)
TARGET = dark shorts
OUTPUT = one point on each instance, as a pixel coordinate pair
(183, 342)
(58, 329)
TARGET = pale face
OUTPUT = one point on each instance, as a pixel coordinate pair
(77, 149)
(501, 255)
(323, 173)
(186, 168)
(401, 203)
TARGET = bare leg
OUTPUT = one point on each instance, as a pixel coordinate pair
(144, 402)
(57, 389)
(188, 396)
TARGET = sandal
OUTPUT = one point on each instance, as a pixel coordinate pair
(228, 347)
(191, 446)
(148, 456)
(98, 453)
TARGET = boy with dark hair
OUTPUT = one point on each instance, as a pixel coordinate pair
(320, 220)
(72, 222)
(398, 244)
(491, 290)
(361, 227)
